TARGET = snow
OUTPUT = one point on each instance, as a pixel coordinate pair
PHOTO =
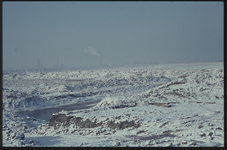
(169, 105)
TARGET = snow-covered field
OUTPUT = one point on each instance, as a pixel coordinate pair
(174, 105)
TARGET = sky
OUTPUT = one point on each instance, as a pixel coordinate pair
(81, 34)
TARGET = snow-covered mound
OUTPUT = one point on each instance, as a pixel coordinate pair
(164, 105)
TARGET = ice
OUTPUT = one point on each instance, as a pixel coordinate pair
(172, 105)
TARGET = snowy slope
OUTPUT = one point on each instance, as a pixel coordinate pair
(163, 105)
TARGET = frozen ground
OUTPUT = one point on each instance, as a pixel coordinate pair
(173, 105)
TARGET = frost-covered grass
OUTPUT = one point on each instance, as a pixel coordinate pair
(173, 105)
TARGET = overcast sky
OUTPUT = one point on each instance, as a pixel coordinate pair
(90, 33)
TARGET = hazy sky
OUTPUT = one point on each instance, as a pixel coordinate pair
(89, 33)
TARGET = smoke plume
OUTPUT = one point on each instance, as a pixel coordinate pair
(91, 51)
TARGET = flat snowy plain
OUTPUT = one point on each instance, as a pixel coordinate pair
(172, 105)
